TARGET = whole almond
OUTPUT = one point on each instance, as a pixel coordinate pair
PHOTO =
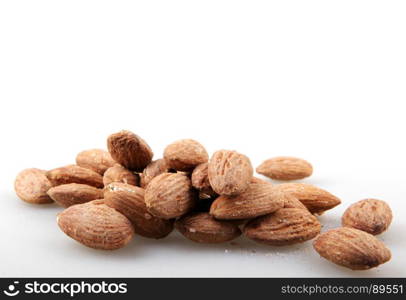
(31, 185)
(96, 226)
(74, 193)
(170, 195)
(200, 180)
(153, 169)
(352, 248)
(184, 155)
(129, 150)
(129, 200)
(315, 199)
(203, 228)
(118, 173)
(229, 172)
(369, 215)
(257, 200)
(285, 168)
(97, 160)
(286, 226)
(74, 174)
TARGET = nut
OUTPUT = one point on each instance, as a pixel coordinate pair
(285, 168)
(153, 169)
(200, 181)
(369, 215)
(97, 160)
(352, 248)
(184, 155)
(96, 226)
(118, 173)
(74, 174)
(74, 193)
(31, 185)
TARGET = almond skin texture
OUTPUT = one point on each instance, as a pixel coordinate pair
(203, 228)
(97, 160)
(200, 180)
(292, 202)
(31, 185)
(96, 226)
(229, 172)
(315, 199)
(74, 193)
(155, 168)
(286, 226)
(259, 199)
(369, 215)
(184, 155)
(129, 200)
(129, 150)
(118, 173)
(170, 195)
(352, 248)
(74, 174)
(285, 168)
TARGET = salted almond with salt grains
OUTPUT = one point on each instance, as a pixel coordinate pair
(118, 173)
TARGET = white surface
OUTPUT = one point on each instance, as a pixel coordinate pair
(322, 80)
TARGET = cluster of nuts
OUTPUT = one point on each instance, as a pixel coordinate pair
(111, 195)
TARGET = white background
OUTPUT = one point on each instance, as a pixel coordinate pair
(322, 80)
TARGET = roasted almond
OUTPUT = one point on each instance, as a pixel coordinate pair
(96, 226)
(118, 173)
(200, 181)
(170, 195)
(184, 155)
(74, 193)
(229, 172)
(31, 185)
(292, 202)
(155, 168)
(352, 248)
(286, 226)
(129, 150)
(74, 174)
(285, 168)
(129, 200)
(315, 199)
(97, 160)
(203, 228)
(369, 215)
(257, 200)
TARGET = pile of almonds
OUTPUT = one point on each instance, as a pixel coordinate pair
(111, 195)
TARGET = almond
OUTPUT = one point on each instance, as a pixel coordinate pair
(259, 199)
(369, 215)
(118, 173)
(129, 200)
(286, 226)
(96, 226)
(129, 150)
(31, 185)
(229, 172)
(203, 228)
(285, 168)
(315, 199)
(74, 193)
(97, 160)
(170, 195)
(292, 202)
(74, 174)
(184, 155)
(352, 248)
(200, 181)
(153, 169)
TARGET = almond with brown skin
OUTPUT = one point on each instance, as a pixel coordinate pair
(153, 169)
(31, 185)
(96, 225)
(286, 226)
(74, 193)
(259, 199)
(285, 168)
(170, 195)
(118, 173)
(129, 200)
(74, 174)
(200, 180)
(369, 215)
(292, 202)
(129, 150)
(352, 248)
(97, 160)
(203, 228)
(315, 199)
(229, 172)
(184, 155)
